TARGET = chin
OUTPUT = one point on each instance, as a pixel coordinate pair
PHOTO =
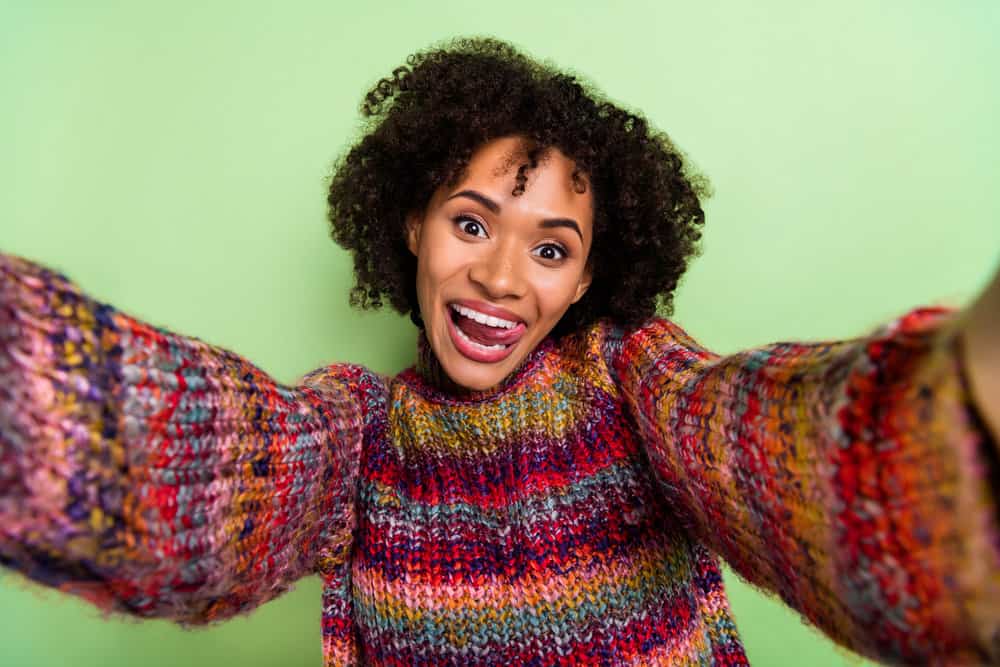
(473, 377)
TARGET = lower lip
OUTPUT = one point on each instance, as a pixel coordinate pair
(472, 352)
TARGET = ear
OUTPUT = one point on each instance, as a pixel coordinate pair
(413, 225)
(584, 284)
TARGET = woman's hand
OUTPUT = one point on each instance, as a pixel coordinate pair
(980, 333)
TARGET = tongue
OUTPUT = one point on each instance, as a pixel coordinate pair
(481, 333)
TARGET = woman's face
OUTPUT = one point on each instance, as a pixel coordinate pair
(496, 272)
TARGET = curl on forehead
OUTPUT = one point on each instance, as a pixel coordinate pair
(523, 156)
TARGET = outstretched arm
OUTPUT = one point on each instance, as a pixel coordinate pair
(979, 329)
(155, 474)
(850, 477)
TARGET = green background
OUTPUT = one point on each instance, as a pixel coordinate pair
(172, 158)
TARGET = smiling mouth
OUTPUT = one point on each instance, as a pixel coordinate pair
(483, 337)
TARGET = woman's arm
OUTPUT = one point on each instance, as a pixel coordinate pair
(850, 477)
(155, 474)
(979, 329)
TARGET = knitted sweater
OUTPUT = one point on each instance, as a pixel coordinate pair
(574, 515)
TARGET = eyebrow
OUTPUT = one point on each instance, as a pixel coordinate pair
(547, 223)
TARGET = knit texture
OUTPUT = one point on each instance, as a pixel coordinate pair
(570, 516)
(154, 474)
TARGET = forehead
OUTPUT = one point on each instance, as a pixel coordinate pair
(552, 185)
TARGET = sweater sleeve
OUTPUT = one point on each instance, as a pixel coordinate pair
(157, 475)
(852, 478)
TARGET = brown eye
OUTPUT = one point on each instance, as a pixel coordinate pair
(471, 226)
(551, 252)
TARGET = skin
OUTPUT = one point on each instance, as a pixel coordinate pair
(979, 328)
(476, 243)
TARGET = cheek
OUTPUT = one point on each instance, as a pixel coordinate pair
(555, 295)
(437, 266)
(425, 289)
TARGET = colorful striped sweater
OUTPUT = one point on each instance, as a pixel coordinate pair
(572, 516)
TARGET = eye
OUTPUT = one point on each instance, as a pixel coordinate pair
(471, 226)
(551, 252)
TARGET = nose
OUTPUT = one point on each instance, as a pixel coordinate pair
(498, 273)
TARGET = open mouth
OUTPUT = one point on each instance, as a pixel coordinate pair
(483, 337)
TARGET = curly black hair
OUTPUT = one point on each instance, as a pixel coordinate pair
(425, 121)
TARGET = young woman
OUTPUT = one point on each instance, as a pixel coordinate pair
(553, 480)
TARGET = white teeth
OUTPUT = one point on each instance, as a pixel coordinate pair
(468, 340)
(482, 318)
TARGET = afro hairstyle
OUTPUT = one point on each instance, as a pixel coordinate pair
(422, 125)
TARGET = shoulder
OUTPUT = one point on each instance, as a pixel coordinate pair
(601, 351)
(615, 343)
(365, 387)
(655, 346)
